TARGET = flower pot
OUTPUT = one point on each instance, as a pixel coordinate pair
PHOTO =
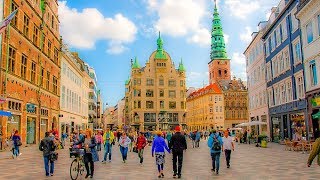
(264, 143)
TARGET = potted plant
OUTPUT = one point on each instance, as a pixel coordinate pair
(262, 138)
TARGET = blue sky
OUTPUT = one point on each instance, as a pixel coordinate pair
(108, 33)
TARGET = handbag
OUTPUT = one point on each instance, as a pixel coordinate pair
(19, 143)
(53, 156)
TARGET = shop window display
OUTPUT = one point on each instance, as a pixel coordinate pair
(298, 127)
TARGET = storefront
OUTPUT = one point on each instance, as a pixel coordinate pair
(275, 129)
(314, 114)
(43, 127)
(31, 130)
(13, 123)
(298, 126)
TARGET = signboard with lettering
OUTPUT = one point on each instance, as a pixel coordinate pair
(31, 108)
(315, 102)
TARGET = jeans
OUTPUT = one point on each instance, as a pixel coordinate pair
(107, 150)
(46, 165)
(88, 160)
(215, 160)
(16, 151)
(124, 152)
(177, 156)
(140, 154)
(228, 156)
(98, 146)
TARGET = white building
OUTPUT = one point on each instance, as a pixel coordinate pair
(257, 86)
(73, 99)
(309, 16)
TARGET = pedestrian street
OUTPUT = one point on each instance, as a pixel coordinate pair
(247, 162)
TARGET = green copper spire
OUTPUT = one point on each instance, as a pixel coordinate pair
(218, 46)
(181, 67)
(136, 63)
(160, 52)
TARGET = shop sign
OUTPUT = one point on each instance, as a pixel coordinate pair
(315, 102)
(31, 108)
(297, 117)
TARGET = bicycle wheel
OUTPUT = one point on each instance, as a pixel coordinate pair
(74, 169)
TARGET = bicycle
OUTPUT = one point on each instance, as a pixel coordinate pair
(77, 165)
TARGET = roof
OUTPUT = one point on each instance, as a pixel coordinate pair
(215, 87)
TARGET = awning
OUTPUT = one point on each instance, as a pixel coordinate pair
(5, 113)
(316, 115)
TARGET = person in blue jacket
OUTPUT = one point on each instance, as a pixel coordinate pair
(158, 148)
(198, 137)
(214, 143)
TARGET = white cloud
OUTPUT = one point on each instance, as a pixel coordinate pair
(242, 9)
(197, 79)
(201, 37)
(226, 38)
(116, 48)
(83, 29)
(238, 65)
(246, 36)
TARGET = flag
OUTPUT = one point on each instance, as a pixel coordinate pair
(7, 21)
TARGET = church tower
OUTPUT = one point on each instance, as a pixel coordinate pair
(219, 66)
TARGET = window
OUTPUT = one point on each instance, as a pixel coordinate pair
(12, 60)
(149, 104)
(297, 52)
(149, 82)
(289, 91)
(35, 35)
(33, 72)
(270, 97)
(43, 43)
(48, 80)
(26, 25)
(309, 32)
(162, 104)
(52, 21)
(63, 94)
(283, 94)
(172, 83)
(172, 105)
(139, 104)
(161, 93)
(172, 94)
(294, 23)
(181, 83)
(14, 21)
(182, 94)
(41, 76)
(49, 49)
(313, 73)
(220, 108)
(55, 85)
(276, 96)
(217, 109)
(161, 82)
(211, 109)
(56, 55)
(137, 93)
(24, 66)
(287, 60)
(182, 105)
(300, 87)
(149, 93)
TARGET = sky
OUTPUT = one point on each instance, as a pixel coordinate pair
(109, 33)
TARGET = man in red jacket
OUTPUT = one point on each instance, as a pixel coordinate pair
(141, 143)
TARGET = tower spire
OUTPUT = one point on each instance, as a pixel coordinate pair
(160, 52)
(218, 46)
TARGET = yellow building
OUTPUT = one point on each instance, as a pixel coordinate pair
(205, 109)
(155, 93)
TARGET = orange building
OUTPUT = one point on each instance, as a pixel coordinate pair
(30, 69)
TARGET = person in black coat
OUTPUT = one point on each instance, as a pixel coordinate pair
(177, 144)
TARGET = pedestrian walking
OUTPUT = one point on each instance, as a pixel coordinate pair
(214, 143)
(158, 148)
(198, 137)
(124, 142)
(177, 145)
(91, 154)
(227, 146)
(47, 146)
(98, 140)
(16, 139)
(315, 151)
(169, 136)
(141, 143)
(108, 138)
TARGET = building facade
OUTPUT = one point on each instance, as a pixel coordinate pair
(74, 93)
(284, 73)
(257, 85)
(93, 121)
(30, 69)
(156, 93)
(205, 109)
(309, 16)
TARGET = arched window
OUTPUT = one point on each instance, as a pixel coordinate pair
(225, 72)
(219, 72)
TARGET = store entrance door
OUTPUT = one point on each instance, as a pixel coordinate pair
(31, 130)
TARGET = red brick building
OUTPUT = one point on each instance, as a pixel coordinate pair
(30, 52)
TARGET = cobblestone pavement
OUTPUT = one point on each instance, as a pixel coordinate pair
(247, 162)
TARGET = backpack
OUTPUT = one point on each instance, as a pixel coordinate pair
(216, 144)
